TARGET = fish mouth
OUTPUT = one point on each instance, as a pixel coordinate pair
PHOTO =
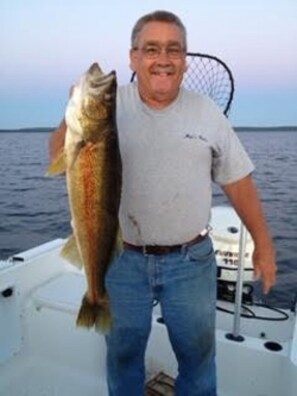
(99, 80)
(95, 68)
(100, 91)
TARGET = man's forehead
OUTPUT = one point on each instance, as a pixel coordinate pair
(162, 42)
(157, 30)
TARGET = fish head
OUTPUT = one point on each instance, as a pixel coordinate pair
(92, 104)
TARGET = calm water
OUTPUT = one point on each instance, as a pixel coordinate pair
(34, 208)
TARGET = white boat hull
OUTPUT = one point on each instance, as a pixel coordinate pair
(43, 353)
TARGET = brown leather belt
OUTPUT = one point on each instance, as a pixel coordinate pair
(163, 249)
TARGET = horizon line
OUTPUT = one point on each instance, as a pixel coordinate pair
(237, 127)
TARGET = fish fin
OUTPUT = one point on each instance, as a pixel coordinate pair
(103, 320)
(75, 153)
(118, 246)
(96, 315)
(71, 253)
(58, 166)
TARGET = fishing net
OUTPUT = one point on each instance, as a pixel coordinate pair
(210, 76)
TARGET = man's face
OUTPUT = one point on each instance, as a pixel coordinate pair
(159, 61)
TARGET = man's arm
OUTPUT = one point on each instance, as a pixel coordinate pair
(244, 198)
(56, 141)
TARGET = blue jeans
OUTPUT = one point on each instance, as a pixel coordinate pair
(184, 283)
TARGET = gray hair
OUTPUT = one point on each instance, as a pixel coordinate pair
(158, 16)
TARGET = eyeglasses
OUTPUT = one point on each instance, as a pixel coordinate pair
(154, 51)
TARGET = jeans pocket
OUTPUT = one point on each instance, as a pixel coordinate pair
(113, 266)
(201, 251)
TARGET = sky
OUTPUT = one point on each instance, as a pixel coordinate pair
(46, 45)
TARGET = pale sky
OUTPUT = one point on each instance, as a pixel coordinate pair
(46, 45)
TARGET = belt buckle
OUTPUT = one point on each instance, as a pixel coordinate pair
(155, 250)
(144, 251)
(149, 250)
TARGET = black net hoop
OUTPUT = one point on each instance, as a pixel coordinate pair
(209, 75)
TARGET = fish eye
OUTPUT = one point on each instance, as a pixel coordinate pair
(107, 96)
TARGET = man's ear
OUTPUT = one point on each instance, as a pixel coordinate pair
(132, 56)
(132, 67)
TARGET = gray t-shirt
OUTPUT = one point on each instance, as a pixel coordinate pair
(170, 158)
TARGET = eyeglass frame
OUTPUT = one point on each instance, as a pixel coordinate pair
(181, 51)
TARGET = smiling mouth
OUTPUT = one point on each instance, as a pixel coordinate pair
(162, 73)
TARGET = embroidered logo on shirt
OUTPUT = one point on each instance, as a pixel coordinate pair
(192, 136)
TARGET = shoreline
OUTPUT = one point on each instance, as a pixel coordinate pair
(285, 128)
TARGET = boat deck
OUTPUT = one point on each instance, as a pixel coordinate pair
(42, 353)
(54, 380)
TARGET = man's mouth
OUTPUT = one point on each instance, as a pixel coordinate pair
(162, 73)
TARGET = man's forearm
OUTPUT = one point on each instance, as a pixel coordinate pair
(245, 199)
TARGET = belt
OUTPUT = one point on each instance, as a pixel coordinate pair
(163, 249)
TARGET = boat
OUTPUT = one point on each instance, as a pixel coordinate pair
(42, 352)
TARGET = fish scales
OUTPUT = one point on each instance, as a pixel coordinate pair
(93, 174)
(94, 215)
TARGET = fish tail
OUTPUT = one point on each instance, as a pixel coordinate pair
(103, 319)
(95, 315)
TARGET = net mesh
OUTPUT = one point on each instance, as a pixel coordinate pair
(208, 75)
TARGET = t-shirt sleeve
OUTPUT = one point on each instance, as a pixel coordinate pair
(230, 159)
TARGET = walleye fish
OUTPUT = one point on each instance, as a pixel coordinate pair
(92, 162)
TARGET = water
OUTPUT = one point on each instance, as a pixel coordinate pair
(34, 208)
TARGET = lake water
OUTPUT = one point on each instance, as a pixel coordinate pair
(34, 208)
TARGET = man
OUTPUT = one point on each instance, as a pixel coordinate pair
(173, 144)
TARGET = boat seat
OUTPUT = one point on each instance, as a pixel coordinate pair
(63, 292)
